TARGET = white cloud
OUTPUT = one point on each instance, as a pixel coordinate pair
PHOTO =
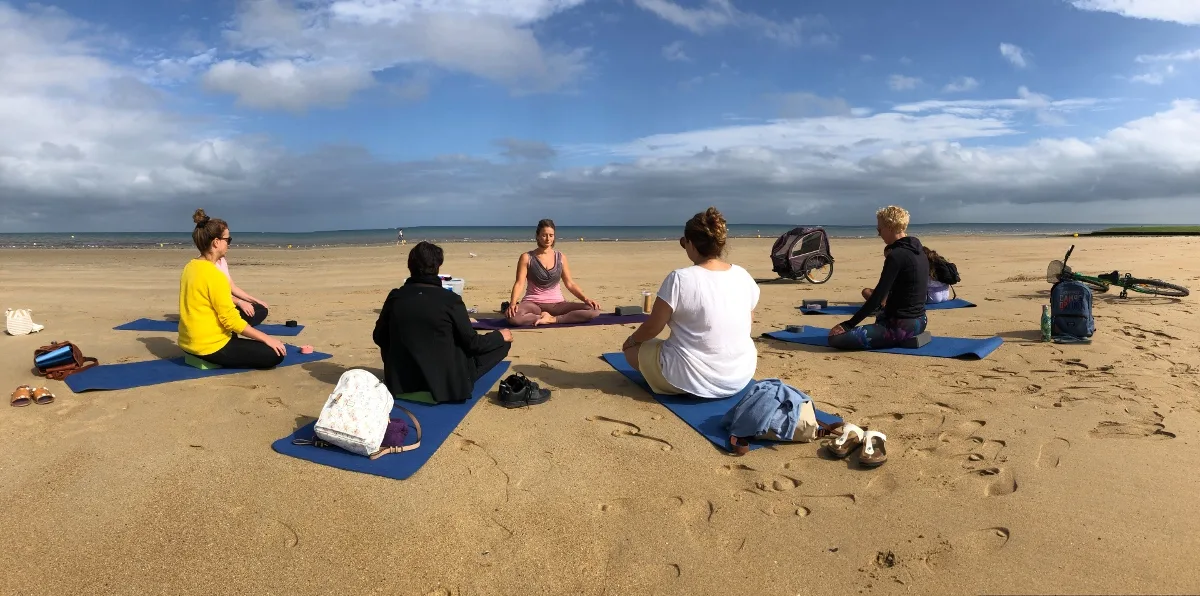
(903, 83)
(1186, 12)
(1014, 54)
(1187, 56)
(1156, 77)
(714, 15)
(82, 132)
(1162, 66)
(674, 52)
(1047, 110)
(867, 58)
(320, 55)
(961, 84)
(287, 85)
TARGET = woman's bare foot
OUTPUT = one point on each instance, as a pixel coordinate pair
(545, 319)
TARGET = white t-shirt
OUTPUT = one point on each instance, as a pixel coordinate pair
(710, 352)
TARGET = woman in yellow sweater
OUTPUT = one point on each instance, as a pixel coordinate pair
(208, 319)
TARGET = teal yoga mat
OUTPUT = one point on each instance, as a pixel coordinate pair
(703, 415)
(155, 372)
(941, 347)
(437, 422)
(173, 326)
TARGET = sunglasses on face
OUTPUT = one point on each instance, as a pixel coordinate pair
(228, 239)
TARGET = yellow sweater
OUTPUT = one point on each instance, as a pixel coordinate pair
(207, 315)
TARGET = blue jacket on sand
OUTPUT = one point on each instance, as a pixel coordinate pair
(770, 405)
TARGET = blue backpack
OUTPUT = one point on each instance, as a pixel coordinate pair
(1071, 312)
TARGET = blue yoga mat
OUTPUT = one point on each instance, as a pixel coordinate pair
(941, 347)
(437, 422)
(702, 414)
(155, 372)
(849, 309)
(173, 326)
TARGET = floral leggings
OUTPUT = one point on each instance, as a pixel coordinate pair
(884, 333)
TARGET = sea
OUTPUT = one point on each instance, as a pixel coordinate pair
(445, 234)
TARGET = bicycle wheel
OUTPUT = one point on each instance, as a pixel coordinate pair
(818, 269)
(1156, 287)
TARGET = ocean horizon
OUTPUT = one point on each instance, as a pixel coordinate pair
(455, 234)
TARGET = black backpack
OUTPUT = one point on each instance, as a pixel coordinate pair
(945, 271)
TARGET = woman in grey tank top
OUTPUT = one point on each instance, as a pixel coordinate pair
(537, 297)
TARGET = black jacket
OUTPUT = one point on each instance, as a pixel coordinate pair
(904, 282)
(427, 343)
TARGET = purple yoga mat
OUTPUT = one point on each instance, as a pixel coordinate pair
(606, 319)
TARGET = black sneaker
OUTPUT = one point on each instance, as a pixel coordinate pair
(517, 391)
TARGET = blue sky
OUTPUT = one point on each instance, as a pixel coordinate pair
(325, 114)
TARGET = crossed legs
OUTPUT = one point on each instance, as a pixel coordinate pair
(531, 313)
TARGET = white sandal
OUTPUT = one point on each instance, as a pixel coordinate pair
(851, 439)
(874, 451)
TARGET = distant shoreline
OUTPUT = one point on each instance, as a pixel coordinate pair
(1149, 231)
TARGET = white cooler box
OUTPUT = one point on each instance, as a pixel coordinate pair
(454, 284)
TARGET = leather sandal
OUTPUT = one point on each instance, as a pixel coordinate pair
(850, 439)
(21, 396)
(42, 396)
(874, 451)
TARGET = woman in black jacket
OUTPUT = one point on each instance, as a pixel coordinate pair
(904, 284)
(425, 335)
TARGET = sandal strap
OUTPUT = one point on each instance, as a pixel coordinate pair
(869, 445)
(847, 430)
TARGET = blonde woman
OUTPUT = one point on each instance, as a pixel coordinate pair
(904, 284)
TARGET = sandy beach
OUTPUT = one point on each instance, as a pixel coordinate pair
(1043, 468)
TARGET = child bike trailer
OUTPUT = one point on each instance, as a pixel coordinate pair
(803, 252)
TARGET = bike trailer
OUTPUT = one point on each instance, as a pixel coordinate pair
(802, 252)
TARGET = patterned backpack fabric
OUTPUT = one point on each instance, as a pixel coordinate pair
(356, 415)
(1071, 312)
(20, 322)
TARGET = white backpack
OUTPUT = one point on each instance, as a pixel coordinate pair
(19, 322)
(356, 415)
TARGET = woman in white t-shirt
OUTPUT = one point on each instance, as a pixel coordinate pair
(709, 307)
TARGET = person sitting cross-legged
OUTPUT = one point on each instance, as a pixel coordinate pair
(709, 308)
(904, 284)
(425, 337)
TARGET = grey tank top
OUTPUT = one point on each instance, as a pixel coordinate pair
(540, 276)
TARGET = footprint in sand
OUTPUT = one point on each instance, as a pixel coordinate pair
(1130, 430)
(628, 429)
(882, 484)
(916, 423)
(984, 450)
(729, 469)
(1052, 452)
(965, 430)
(780, 484)
(998, 482)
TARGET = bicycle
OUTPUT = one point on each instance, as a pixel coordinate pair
(1058, 270)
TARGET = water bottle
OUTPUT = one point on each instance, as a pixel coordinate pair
(1045, 322)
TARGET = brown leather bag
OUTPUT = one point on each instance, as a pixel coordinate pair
(61, 371)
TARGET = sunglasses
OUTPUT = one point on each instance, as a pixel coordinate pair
(227, 239)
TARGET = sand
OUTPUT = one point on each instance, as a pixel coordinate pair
(1041, 469)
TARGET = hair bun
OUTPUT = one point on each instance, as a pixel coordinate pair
(200, 218)
(716, 225)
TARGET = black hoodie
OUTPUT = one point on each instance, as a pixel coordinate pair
(904, 282)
